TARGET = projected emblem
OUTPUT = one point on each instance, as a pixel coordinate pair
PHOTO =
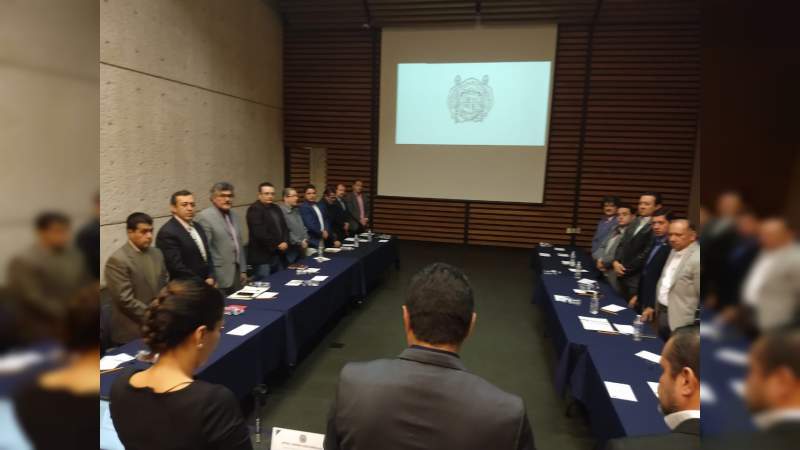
(470, 100)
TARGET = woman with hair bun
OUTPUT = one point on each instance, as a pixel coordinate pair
(164, 407)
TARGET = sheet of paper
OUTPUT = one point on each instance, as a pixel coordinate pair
(546, 255)
(579, 291)
(242, 329)
(585, 281)
(707, 394)
(383, 241)
(613, 308)
(732, 356)
(560, 249)
(332, 250)
(563, 255)
(321, 259)
(267, 295)
(566, 263)
(654, 387)
(650, 356)
(112, 361)
(294, 283)
(320, 278)
(247, 293)
(312, 270)
(348, 245)
(624, 329)
(620, 391)
(286, 439)
(561, 298)
(596, 324)
(575, 270)
(737, 386)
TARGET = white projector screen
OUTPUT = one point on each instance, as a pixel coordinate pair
(464, 113)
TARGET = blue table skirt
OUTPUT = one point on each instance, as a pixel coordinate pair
(238, 362)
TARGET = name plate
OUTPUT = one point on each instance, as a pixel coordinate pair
(286, 439)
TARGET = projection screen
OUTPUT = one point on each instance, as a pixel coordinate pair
(465, 112)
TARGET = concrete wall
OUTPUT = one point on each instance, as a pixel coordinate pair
(190, 94)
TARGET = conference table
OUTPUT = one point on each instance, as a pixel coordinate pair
(585, 360)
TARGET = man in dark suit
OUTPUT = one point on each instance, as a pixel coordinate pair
(425, 397)
(184, 244)
(678, 396)
(316, 219)
(269, 234)
(645, 299)
(634, 246)
(358, 205)
(135, 274)
(337, 214)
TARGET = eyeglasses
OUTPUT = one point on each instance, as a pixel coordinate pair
(226, 195)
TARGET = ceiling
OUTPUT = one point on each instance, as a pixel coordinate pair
(356, 14)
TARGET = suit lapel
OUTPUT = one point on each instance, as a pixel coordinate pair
(682, 265)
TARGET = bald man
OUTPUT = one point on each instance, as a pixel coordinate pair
(678, 288)
(772, 287)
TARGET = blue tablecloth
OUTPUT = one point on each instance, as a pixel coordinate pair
(373, 259)
(585, 359)
(238, 362)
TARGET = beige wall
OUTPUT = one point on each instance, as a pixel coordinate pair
(190, 94)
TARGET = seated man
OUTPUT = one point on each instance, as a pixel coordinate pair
(678, 397)
(425, 397)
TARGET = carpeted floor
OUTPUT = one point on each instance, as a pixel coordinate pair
(508, 347)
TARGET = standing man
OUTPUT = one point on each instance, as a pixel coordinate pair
(358, 205)
(315, 218)
(337, 214)
(341, 197)
(678, 397)
(135, 274)
(183, 243)
(678, 289)
(645, 299)
(88, 241)
(298, 236)
(634, 246)
(269, 235)
(607, 224)
(224, 233)
(605, 253)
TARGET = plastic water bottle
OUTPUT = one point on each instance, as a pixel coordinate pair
(355, 240)
(572, 259)
(594, 305)
(578, 270)
(321, 247)
(637, 328)
(369, 234)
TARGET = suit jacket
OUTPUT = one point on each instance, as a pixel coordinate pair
(423, 399)
(181, 255)
(685, 436)
(608, 248)
(684, 294)
(133, 279)
(312, 223)
(222, 245)
(352, 207)
(779, 295)
(338, 215)
(268, 229)
(634, 247)
(651, 273)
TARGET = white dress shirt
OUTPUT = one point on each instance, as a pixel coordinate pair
(195, 237)
(319, 216)
(762, 266)
(642, 222)
(668, 275)
(675, 419)
(768, 419)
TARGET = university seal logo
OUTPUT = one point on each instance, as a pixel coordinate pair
(470, 100)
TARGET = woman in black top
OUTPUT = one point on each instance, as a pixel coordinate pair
(163, 407)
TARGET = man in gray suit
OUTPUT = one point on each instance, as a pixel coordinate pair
(357, 203)
(135, 274)
(224, 233)
(425, 397)
(678, 288)
(604, 256)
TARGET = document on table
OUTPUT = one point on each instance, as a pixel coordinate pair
(320, 278)
(383, 241)
(575, 270)
(579, 291)
(267, 295)
(707, 394)
(332, 250)
(112, 361)
(624, 329)
(546, 255)
(654, 386)
(311, 270)
(732, 356)
(561, 298)
(563, 255)
(566, 263)
(286, 439)
(613, 308)
(294, 283)
(586, 280)
(247, 293)
(321, 259)
(242, 329)
(560, 249)
(650, 356)
(621, 391)
(596, 324)
(737, 386)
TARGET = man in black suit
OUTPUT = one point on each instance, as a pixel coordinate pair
(337, 214)
(183, 244)
(634, 246)
(269, 234)
(678, 397)
(645, 299)
(425, 397)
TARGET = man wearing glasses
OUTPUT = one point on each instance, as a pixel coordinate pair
(223, 230)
